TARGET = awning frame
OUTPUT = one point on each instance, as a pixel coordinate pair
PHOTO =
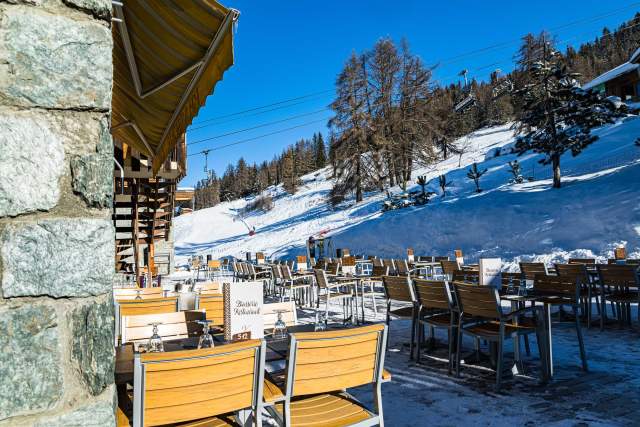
(198, 66)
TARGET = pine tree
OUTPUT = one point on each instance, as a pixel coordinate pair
(442, 181)
(289, 178)
(474, 174)
(557, 115)
(320, 151)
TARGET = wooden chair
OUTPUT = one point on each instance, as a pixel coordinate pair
(213, 307)
(321, 366)
(391, 266)
(181, 324)
(334, 291)
(289, 313)
(299, 286)
(333, 268)
(402, 268)
(530, 269)
(260, 258)
(619, 284)
(132, 293)
(480, 315)
(254, 275)
(134, 307)
(213, 266)
(577, 272)
(400, 290)
(561, 290)
(206, 385)
(371, 281)
(449, 267)
(435, 311)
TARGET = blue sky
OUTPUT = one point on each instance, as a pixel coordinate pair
(287, 49)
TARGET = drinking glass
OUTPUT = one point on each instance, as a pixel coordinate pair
(155, 344)
(321, 322)
(279, 328)
(206, 339)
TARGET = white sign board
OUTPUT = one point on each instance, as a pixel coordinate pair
(490, 272)
(243, 303)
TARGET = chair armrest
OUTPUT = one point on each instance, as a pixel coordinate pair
(272, 393)
(532, 309)
(386, 376)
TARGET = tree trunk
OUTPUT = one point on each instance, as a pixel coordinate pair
(358, 181)
(555, 161)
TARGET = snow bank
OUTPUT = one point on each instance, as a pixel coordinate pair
(597, 209)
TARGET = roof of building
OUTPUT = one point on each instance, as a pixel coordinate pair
(621, 69)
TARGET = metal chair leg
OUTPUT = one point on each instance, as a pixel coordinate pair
(500, 361)
(583, 354)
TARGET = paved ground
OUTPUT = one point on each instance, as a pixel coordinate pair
(609, 394)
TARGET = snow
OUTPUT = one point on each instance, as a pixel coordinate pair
(611, 74)
(596, 210)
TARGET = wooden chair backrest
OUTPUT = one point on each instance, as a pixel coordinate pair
(577, 270)
(333, 268)
(530, 269)
(276, 271)
(448, 267)
(390, 265)
(410, 255)
(618, 275)
(181, 324)
(213, 306)
(380, 270)
(566, 286)
(469, 276)
(432, 294)
(477, 301)
(440, 258)
(130, 293)
(321, 278)
(634, 262)
(582, 261)
(187, 385)
(321, 362)
(245, 268)
(260, 258)
(399, 288)
(511, 279)
(148, 306)
(401, 266)
(425, 258)
(286, 272)
(289, 316)
(377, 262)
(214, 263)
(301, 260)
(321, 264)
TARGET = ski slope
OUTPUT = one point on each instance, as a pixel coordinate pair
(597, 209)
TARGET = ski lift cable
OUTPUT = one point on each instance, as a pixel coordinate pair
(261, 136)
(286, 119)
(589, 19)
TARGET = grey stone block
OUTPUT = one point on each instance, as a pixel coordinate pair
(66, 257)
(53, 61)
(30, 374)
(92, 344)
(93, 173)
(31, 164)
(98, 8)
(94, 414)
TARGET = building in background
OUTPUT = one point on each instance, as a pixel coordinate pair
(622, 81)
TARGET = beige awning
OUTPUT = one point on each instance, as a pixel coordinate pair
(168, 56)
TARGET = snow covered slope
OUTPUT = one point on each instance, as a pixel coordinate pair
(597, 209)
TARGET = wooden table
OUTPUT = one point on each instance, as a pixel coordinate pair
(277, 349)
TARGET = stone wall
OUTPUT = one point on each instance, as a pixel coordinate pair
(56, 235)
